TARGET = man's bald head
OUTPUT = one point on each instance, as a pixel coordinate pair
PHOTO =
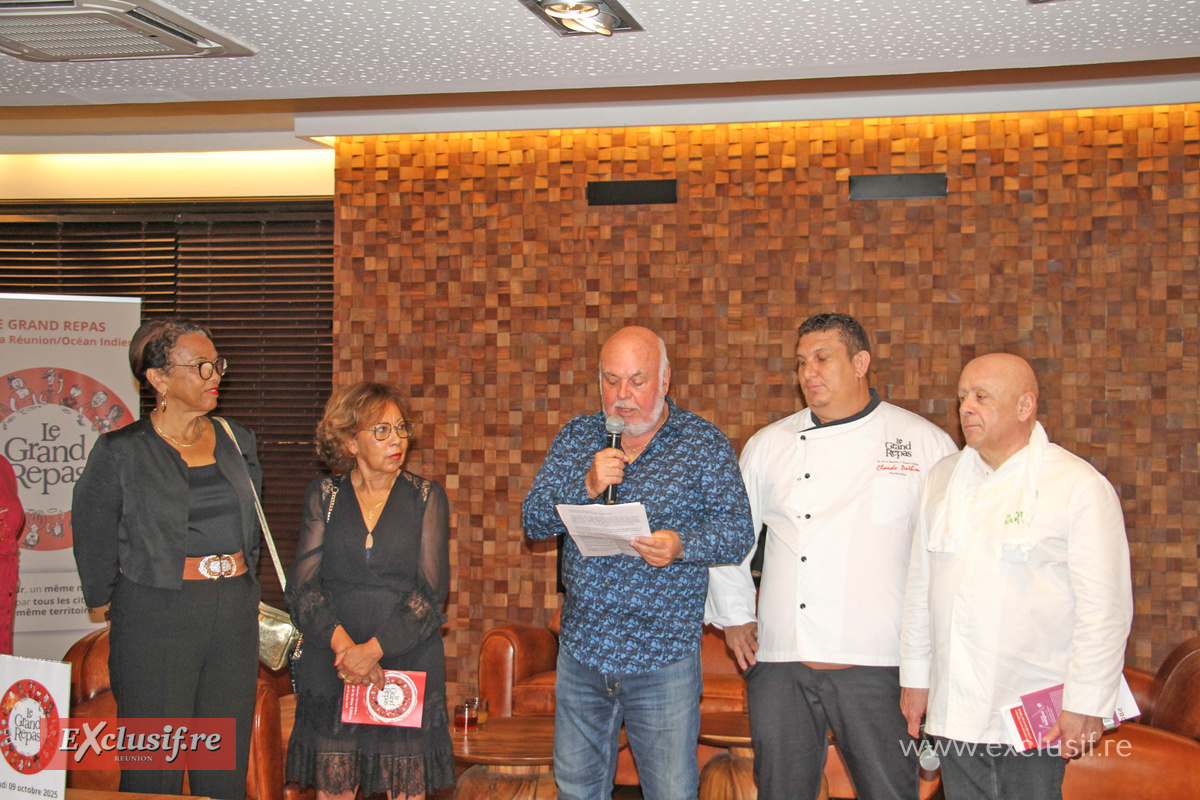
(643, 341)
(997, 399)
(1012, 371)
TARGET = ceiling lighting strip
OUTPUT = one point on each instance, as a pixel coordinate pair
(848, 105)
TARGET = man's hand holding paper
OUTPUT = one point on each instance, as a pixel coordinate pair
(659, 548)
(600, 530)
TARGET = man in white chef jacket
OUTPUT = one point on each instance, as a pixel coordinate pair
(1019, 581)
(837, 486)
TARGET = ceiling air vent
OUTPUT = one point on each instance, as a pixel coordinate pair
(96, 30)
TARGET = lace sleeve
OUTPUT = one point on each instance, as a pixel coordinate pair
(307, 599)
(418, 615)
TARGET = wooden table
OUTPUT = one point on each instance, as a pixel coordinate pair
(730, 775)
(512, 758)
(105, 794)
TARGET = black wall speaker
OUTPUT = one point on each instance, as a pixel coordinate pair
(631, 193)
(898, 187)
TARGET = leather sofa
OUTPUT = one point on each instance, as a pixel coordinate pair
(281, 680)
(1157, 756)
(91, 696)
(1136, 761)
(1170, 698)
(516, 677)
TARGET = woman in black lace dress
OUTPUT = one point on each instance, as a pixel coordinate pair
(367, 589)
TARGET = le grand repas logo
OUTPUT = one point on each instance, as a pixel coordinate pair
(47, 459)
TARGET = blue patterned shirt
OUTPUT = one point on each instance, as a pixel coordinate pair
(622, 615)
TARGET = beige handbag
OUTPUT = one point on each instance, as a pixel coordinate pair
(277, 636)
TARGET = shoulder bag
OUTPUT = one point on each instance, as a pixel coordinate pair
(277, 636)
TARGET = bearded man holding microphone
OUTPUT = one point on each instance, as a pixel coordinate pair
(629, 647)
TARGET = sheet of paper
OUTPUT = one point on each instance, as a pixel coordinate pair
(600, 530)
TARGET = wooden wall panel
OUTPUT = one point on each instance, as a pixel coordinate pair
(471, 269)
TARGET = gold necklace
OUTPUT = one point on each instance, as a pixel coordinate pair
(172, 439)
(369, 513)
(369, 517)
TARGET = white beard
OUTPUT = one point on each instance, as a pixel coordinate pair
(642, 428)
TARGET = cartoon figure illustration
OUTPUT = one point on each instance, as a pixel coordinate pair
(56, 529)
(51, 392)
(104, 424)
(20, 396)
(32, 537)
(72, 400)
(92, 412)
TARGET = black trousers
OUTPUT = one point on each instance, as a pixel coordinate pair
(792, 710)
(997, 772)
(191, 652)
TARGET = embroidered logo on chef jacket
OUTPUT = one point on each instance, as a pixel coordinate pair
(898, 458)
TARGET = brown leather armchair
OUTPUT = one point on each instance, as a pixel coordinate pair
(1136, 761)
(1170, 698)
(91, 696)
(282, 681)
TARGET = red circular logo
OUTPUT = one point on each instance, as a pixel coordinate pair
(394, 700)
(49, 419)
(29, 727)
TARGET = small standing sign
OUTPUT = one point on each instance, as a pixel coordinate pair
(34, 704)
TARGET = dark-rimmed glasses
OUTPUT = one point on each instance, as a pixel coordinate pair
(383, 430)
(207, 368)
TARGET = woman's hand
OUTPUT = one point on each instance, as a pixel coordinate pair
(340, 641)
(360, 663)
(376, 677)
(341, 644)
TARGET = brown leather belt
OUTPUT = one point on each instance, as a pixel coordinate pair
(213, 567)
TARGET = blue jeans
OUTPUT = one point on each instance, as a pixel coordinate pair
(661, 712)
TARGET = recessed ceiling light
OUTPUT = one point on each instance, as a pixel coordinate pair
(601, 23)
(572, 10)
(604, 17)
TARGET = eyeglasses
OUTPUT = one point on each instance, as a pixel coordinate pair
(383, 430)
(207, 368)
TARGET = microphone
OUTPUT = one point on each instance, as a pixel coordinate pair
(614, 425)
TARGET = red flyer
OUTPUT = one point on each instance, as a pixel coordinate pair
(399, 701)
(1032, 718)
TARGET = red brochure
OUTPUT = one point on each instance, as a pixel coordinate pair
(1031, 719)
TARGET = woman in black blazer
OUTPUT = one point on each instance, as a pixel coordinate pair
(165, 531)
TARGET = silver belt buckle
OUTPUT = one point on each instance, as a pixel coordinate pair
(218, 567)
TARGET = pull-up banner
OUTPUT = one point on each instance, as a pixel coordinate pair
(64, 380)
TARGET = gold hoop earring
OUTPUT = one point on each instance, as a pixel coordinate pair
(162, 404)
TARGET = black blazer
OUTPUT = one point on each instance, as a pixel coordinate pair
(129, 510)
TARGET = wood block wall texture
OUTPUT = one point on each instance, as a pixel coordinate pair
(471, 269)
